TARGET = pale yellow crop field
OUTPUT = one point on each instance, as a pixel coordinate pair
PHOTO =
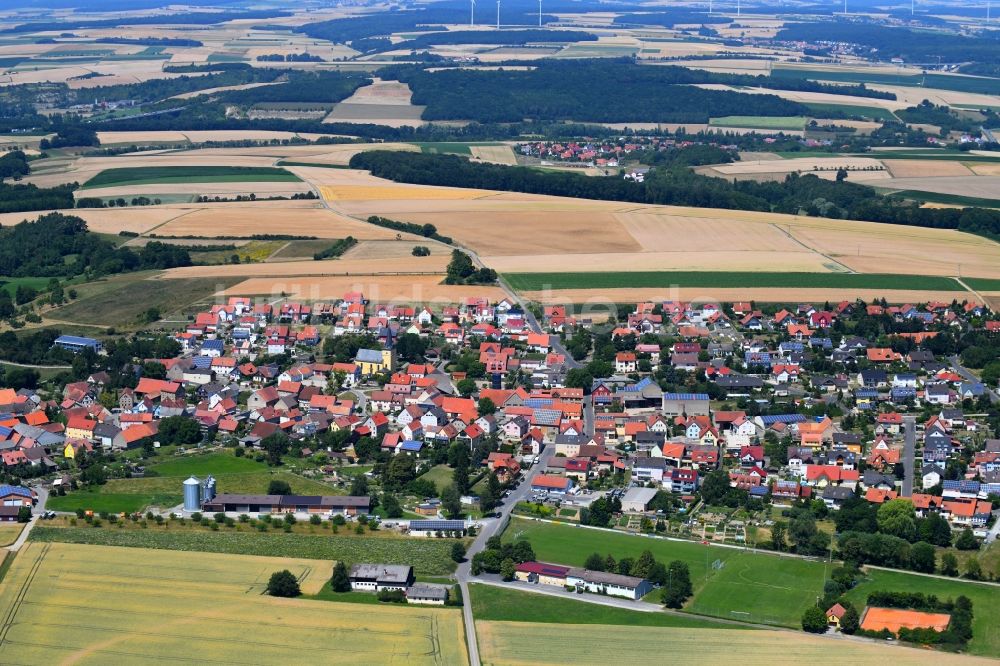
(601, 298)
(405, 192)
(523, 643)
(65, 603)
(926, 168)
(107, 220)
(247, 219)
(494, 154)
(434, 264)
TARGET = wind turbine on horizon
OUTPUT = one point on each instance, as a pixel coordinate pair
(539, 13)
(472, 13)
(498, 14)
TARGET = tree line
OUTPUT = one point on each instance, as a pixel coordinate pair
(61, 245)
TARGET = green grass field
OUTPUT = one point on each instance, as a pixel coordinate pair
(10, 284)
(119, 301)
(761, 122)
(491, 603)
(440, 475)
(428, 556)
(111, 502)
(751, 587)
(982, 284)
(985, 602)
(203, 174)
(867, 112)
(212, 463)
(721, 280)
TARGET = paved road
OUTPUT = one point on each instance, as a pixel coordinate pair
(957, 366)
(994, 531)
(491, 528)
(909, 454)
(43, 497)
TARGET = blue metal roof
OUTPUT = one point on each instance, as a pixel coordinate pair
(441, 525)
(411, 445)
(75, 340)
(213, 344)
(771, 419)
(685, 396)
(7, 489)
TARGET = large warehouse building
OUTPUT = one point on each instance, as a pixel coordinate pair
(319, 504)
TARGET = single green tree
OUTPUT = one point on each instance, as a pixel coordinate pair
(341, 581)
(278, 487)
(283, 584)
(508, 569)
(594, 562)
(678, 587)
(814, 620)
(458, 551)
(851, 620)
(949, 564)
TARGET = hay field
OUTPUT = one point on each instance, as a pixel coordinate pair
(198, 136)
(928, 168)
(98, 605)
(411, 289)
(223, 189)
(517, 643)
(247, 219)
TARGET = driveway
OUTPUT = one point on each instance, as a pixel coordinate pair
(43, 497)
(464, 571)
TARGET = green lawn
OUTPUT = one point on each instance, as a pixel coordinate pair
(111, 502)
(10, 284)
(188, 174)
(870, 112)
(212, 463)
(722, 279)
(761, 122)
(504, 605)
(441, 475)
(753, 587)
(985, 602)
(255, 482)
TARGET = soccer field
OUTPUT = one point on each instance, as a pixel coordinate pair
(746, 586)
(63, 603)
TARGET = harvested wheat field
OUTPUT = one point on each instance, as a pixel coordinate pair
(382, 102)
(524, 643)
(796, 261)
(526, 232)
(926, 168)
(228, 190)
(403, 192)
(987, 187)
(108, 220)
(814, 97)
(411, 289)
(248, 219)
(393, 249)
(984, 169)
(494, 154)
(801, 164)
(66, 603)
(200, 136)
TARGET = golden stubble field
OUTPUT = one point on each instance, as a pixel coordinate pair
(515, 232)
(523, 643)
(65, 603)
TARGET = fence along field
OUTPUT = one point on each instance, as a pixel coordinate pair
(64, 603)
